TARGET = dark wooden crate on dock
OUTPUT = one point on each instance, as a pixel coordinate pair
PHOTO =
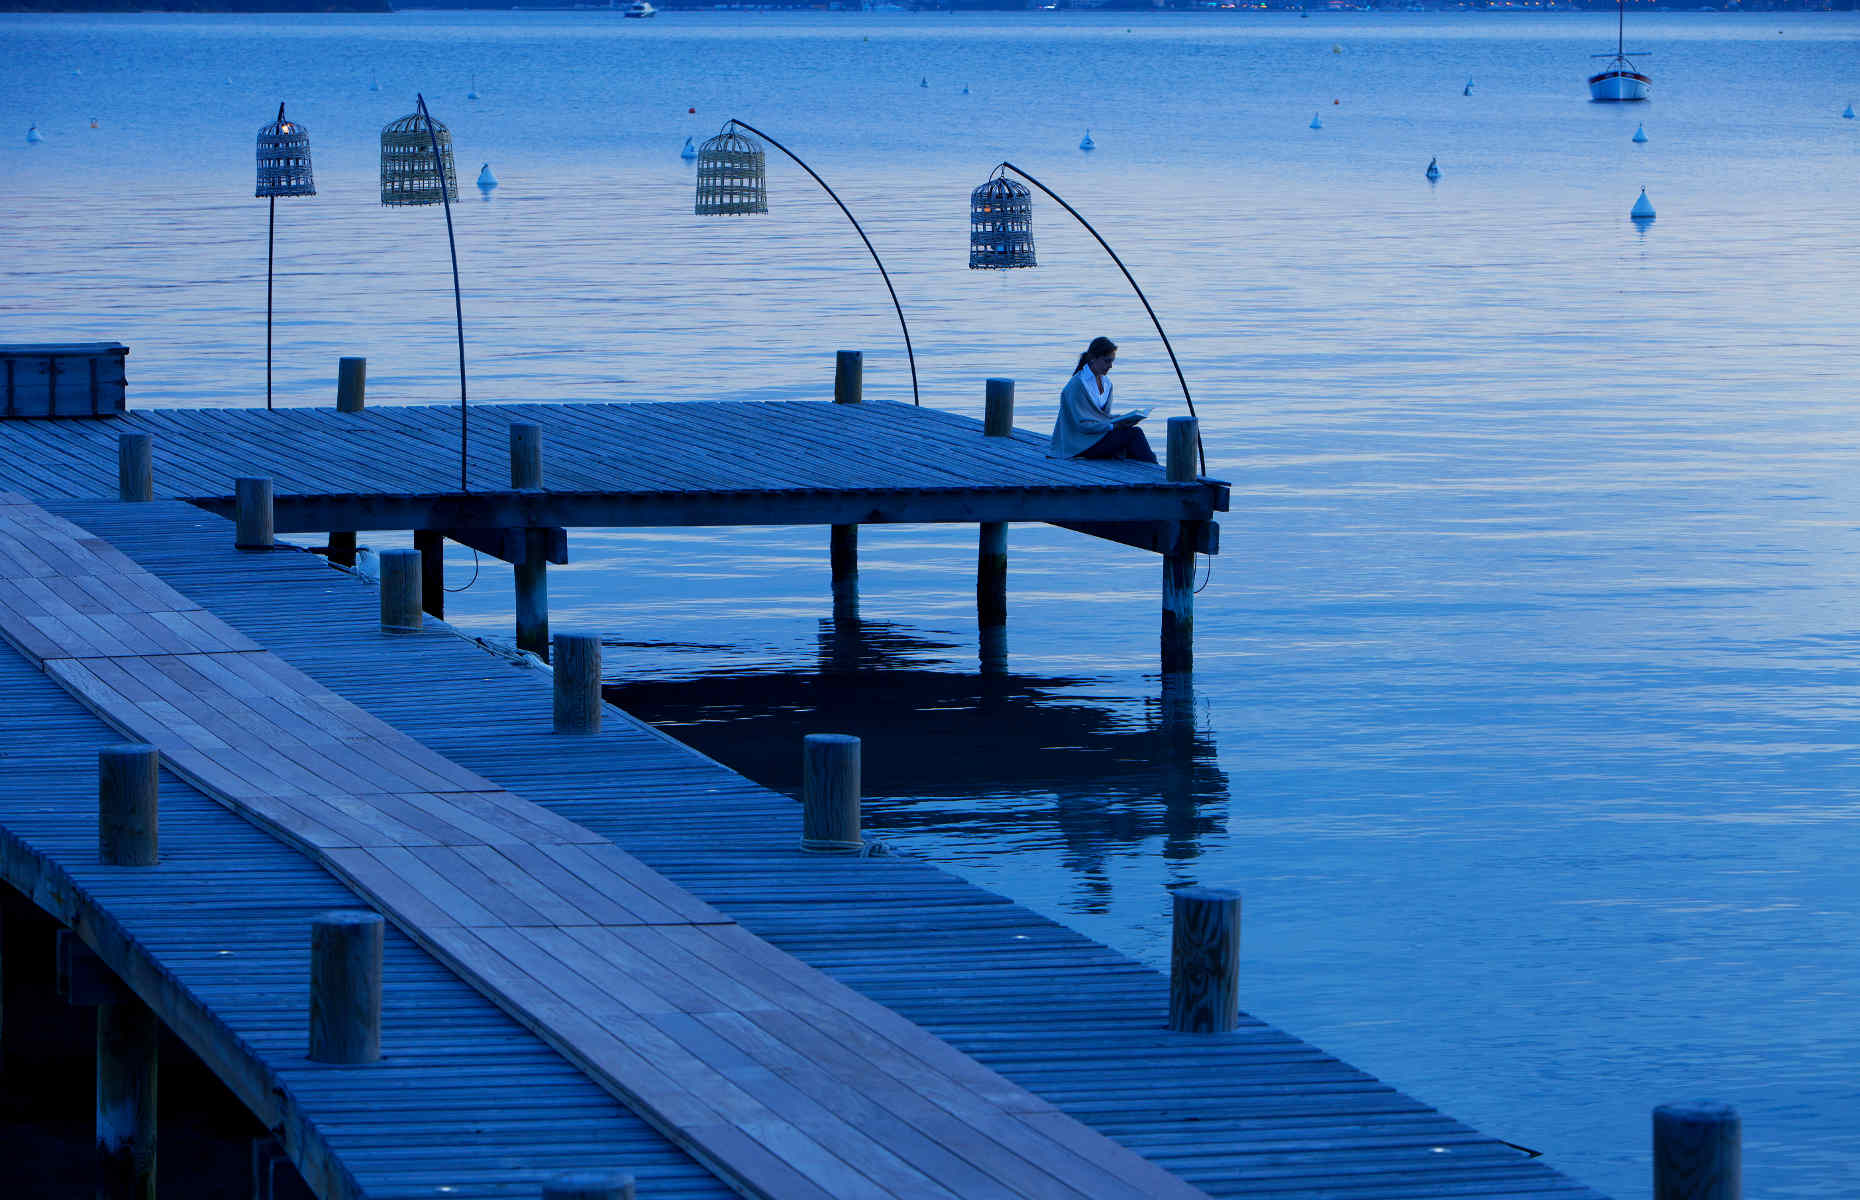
(64, 379)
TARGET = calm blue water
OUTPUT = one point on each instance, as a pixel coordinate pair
(1525, 717)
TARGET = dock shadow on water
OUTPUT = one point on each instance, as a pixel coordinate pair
(962, 760)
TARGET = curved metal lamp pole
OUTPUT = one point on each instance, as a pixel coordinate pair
(1200, 453)
(271, 257)
(458, 305)
(908, 352)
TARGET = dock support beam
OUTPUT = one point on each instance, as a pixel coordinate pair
(1204, 961)
(1178, 590)
(1697, 1152)
(432, 547)
(128, 1033)
(128, 1064)
(991, 556)
(135, 470)
(531, 574)
(351, 396)
(848, 388)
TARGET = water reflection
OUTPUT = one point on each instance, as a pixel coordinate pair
(1012, 760)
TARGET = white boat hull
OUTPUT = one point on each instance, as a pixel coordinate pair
(1616, 84)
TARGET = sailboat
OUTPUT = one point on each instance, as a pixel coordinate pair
(1619, 80)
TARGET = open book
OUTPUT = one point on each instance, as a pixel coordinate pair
(1131, 417)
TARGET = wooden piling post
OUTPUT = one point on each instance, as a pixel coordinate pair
(525, 454)
(128, 1063)
(351, 396)
(843, 544)
(992, 651)
(432, 547)
(127, 817)
(1204, 961)
(1180, 461)
(1178, 590)
(351, 384)
(849, 377)
(252, 525)
(400, 590)
(589, 1185)
(532, 574)
(991, 555)
(830, 792)
(577, 683)
(1697, 1152)
(998, 408)
(345, 987)
(135, 467)
(532, 577)
(128, 1067)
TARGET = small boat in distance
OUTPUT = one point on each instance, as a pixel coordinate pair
(640, 8)
(1619, 80)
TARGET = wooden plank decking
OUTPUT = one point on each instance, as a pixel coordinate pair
(1255, 1113)
(784, 1083)
(688, 463)
(215, 937)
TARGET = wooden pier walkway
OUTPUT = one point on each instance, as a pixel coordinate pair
(738, 1053)
(529, 473)
(1072, 1025)
(609, 465)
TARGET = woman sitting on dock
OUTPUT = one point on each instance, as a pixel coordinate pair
(1087, 428)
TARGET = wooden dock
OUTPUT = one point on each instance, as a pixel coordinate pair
(756, 1019)
(605, 465)
(510, 480)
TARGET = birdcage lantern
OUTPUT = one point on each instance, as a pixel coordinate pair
(284, 159)
(409, 174)
(1000, 225)
(732, 175)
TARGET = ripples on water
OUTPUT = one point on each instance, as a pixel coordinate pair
(1524, 715)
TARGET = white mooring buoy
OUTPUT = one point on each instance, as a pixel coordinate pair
(924, 81)
(1640, 133)
(1848, 112)
(1468, 89)
(1433, 168)
(1643, 208)
(1317, 121)
(689, 151)
(33, 136)
(1085, 143)
(486, 180)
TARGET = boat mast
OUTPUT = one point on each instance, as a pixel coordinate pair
(1620, 28)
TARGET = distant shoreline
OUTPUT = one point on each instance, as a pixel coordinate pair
(199, 6)
(1126, 7)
